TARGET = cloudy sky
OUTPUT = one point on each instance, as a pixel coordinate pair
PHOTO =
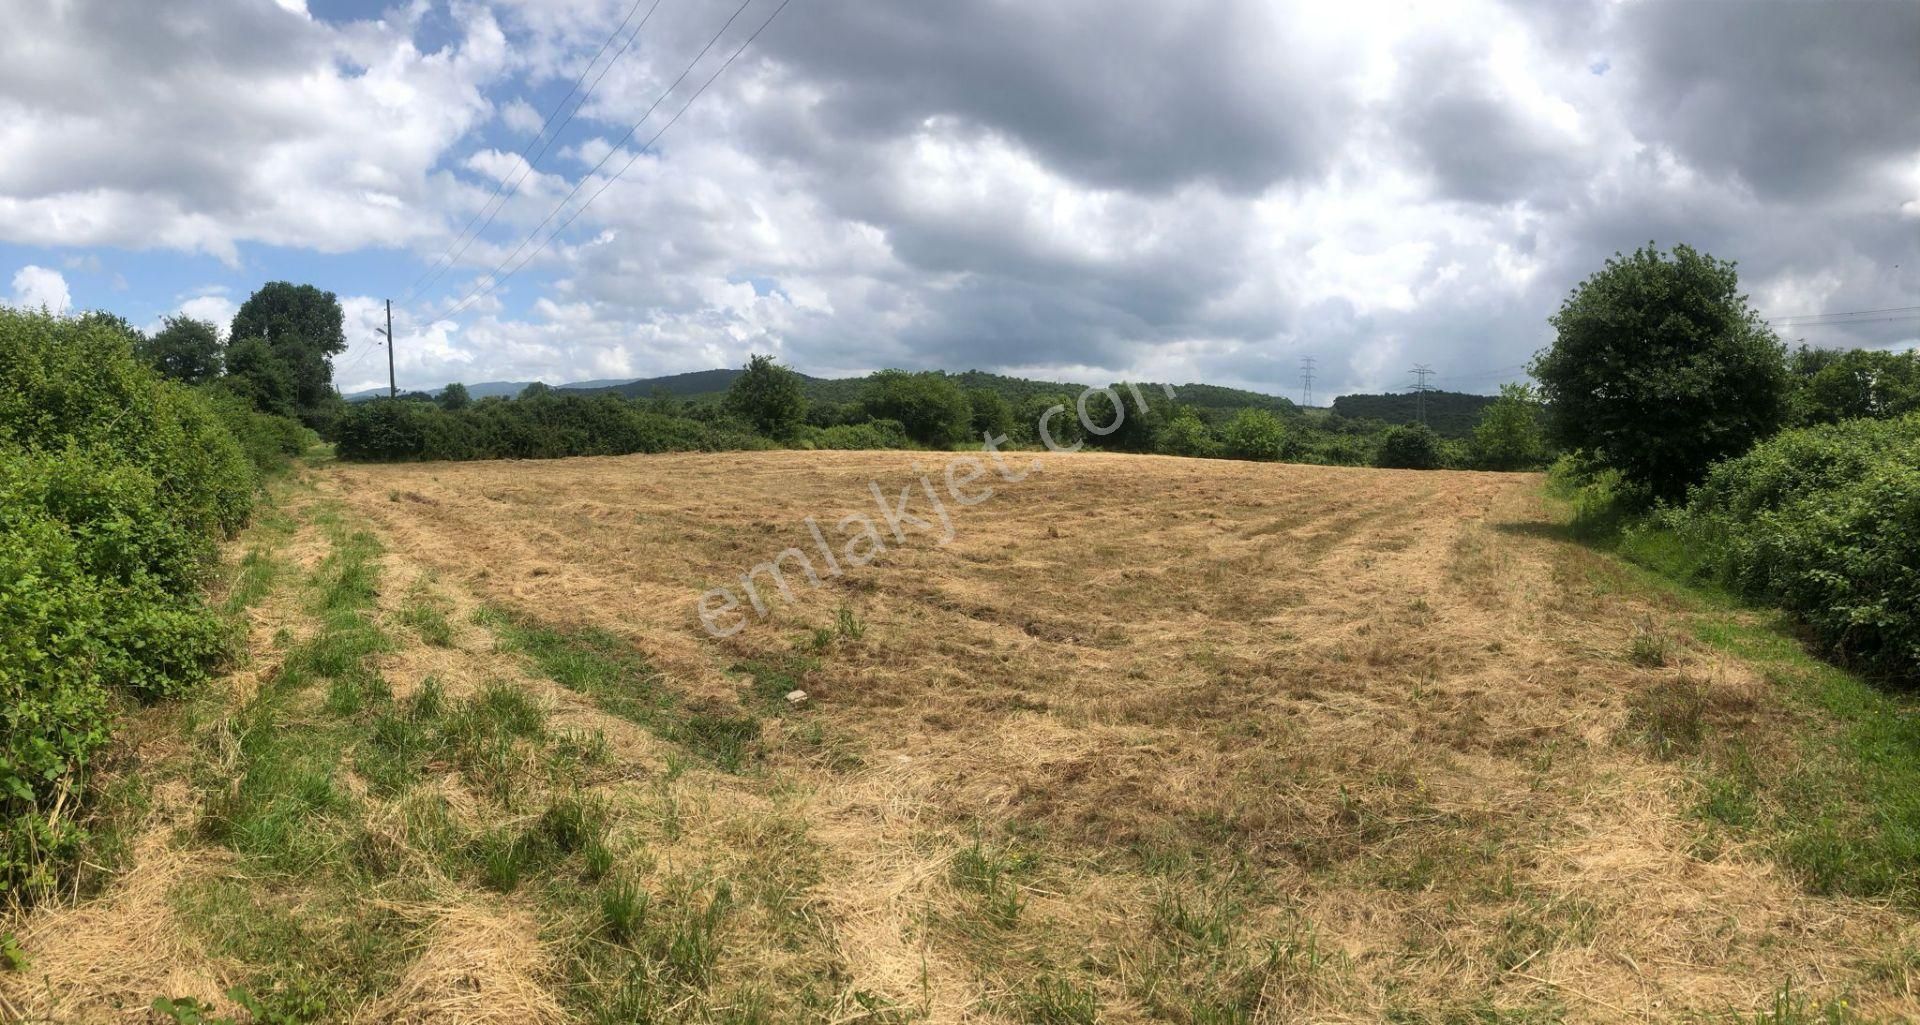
(1074, 189)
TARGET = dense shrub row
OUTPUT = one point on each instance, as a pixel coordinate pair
(1825, 523)
(543, 425)
(896, 409)
(115, 488)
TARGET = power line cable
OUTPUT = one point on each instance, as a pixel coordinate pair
(1842, 315)
(495, 279)
(450, 257)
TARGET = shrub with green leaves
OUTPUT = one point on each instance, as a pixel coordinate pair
(115, 488)
(1254, 434)
(1410, 447)
(873, 434)
(540, 424)
(1825, 523)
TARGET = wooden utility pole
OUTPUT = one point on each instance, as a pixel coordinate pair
(393, 390)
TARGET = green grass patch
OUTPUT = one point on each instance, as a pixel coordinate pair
(620, 680)
(1839, 805)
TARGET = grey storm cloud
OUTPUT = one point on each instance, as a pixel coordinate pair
(1135, 95)
(1192, 191)
(1793, 99)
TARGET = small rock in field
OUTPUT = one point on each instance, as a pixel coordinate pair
(796, 697)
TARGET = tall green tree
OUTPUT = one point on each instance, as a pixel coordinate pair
(304, 327)
(1509, 435)
(1831, 385)
(929, 405)
(991, 412)
(184, 349)
(1410, 447)
(1185, 434)
(115, 323)
(455, 397)
(1659, 368)
(768, 396)
(258, 374)
(1254, 434)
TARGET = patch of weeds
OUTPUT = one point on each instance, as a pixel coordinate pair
(1205, 919)
(596, 861)
(771, 680)
(621, 681)
(1669, 717)
(1790, 1008)
(1052, 1000)
(283, 807)
(992, 872)
(728, 740)
(1538, 927)
(425, 616)
(503, 858)
(12, 958)
(1650, 648)
(1728, 801)
(571, 823)
(623, 910)
(849, 625)
(273, 938)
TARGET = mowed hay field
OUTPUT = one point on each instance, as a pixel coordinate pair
(1148, 739)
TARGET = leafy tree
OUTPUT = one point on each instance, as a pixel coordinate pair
(1254, 434)
(185, 350)
(99, 319)
(1660, 369)
(1509, 436)
(304, 327)
(1129, 429)
(454, 396)
(1831, 385)
(258, 374)
(1410, 447)
(768, 396)
(929, 405)
(1185, 434)
(992, 414)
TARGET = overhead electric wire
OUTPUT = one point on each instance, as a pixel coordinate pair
(450, 257)
(495, 278)
(1846, 316)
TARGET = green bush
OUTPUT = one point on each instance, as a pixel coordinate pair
(1825, 523)
(769, 397)
(1185, 434)
(874, 434)
(115, 488)
(271, 443)
(1254, 434)
(77, 382)
(1410, 447)
(930, 405)
(540, 425)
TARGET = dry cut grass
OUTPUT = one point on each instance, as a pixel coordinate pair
(1149, 739)
(1193, 717)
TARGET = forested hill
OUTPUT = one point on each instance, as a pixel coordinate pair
(711, 384)
(1451, 414)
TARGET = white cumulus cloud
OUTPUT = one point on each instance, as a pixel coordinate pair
(36, 287)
